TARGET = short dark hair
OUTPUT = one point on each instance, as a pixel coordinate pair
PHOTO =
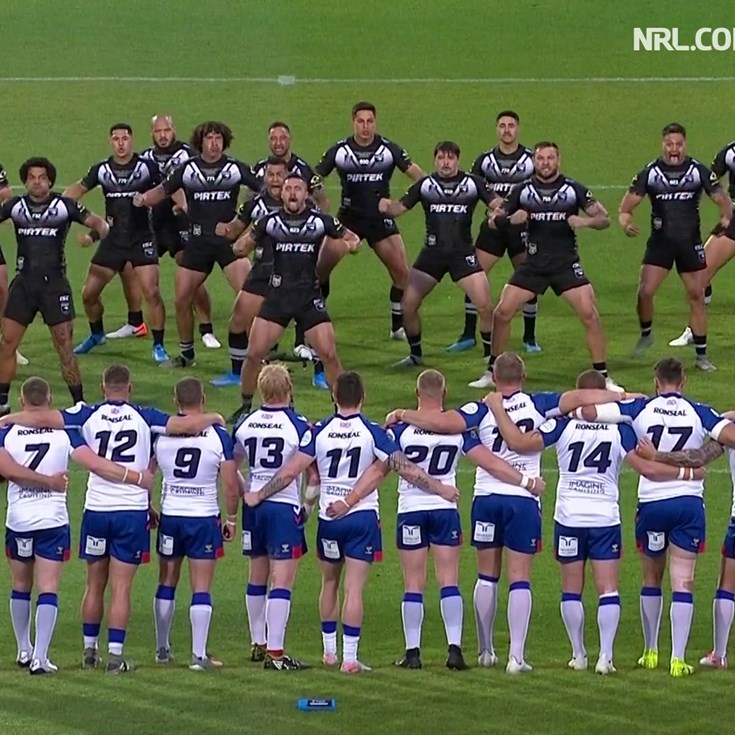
(279, 124)
(669, 371)
(297, 175)
(363, 106)
(508, 113)
(35, 391)
(189, 392)
(674, 127)
(349, 390)
(121, 126)
(275, 161)
(37, 162)
(545, 144)
(591, 380)
(447, 146)
(116, 377)
(211, 126)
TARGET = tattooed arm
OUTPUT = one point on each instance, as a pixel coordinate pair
(685, 458)
(282, 479)
(412, 473)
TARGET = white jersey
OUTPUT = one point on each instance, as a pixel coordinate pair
(190, 467)
(590, 457)
(435, 454)
(528, 411)
(121, 432)
(270, 437)
(344, 447)
(731, 460)
(673, 423)
(46, 451)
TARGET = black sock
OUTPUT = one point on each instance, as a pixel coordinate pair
(646, 328)
(396, 315)
(530, 310)
(414, 343)
(135, 318)
(470, 318)
(4, 393)
(238, 344)
(206, 328)
(325, 290)
(708, 292)
(318, 367)
(76, 391)
(97, 328)
(700, 344)
(158, 336)
(247, 401)
(487, 343)
(299, 337)
(187, 350)
(601, 367)
(491, 362)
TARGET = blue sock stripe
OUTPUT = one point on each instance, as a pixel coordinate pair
(724, 595)
(256, 590)
(91, 630)
(201, 598)
(686, 597)
(488, 578)
(48, 598)
(413, 597)
(571, 597)
(16, 595)
(351, 630)
(115, 635)
(329, 626)
(279, 594)
(519, 586)
(164, 592)
(609, 600)
(445, 592)
(651, 592)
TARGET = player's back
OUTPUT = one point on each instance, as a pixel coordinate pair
(269, 438)
(46, 451)
(190, 467)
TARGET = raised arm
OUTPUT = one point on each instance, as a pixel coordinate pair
(574, 399)
(75, 191)
(596, 218)
(193, 423)
(517, 440)
(46, 419)
(445, 422)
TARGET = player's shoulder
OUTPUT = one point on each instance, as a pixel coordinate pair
(525, 150)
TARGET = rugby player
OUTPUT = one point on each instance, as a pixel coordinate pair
(211, 182)
(37, 537)
(42, 219)
(507, 164)
(170, 224)
(272, 532)
(550, 202)
(365, 163)
(189, 524)
(674, 182)
(121, 177)
(449, 197)
(114, 537)
(306, 245)
(670, 519)
(343, 447)
(587, 512)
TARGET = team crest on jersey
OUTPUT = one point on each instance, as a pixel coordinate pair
(470, 408)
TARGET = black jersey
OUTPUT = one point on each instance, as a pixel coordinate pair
(120, 182)
(40, 231)
(167, 159)
(364, 172)
(295, 165)
(503, 171)
(250, 212)
(675, 192)
(724, 163)
(296, 240)
(211, 190)
(549, 205)
(449, 204)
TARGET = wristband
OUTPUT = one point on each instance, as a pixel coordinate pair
(230, 523)
(125, 476)
(691, 474)
(140, 479)
(347, 502)
(525, 482)
(578, 414)
(680, 476)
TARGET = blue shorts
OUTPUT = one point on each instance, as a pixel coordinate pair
(356, 536)
(273, 529)
(194, 538)
(421, 528)
(46, 543)
(728, 545)
(574, 543)
(508, 521)
(121, 534)
(679, 521)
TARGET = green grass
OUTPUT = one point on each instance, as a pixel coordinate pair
(607, 131)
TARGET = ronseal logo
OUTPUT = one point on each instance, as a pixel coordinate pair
(671, 39)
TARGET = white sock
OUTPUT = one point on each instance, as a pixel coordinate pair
(412, 613)
(723, 610)
(255, 599)
(350, 642)
(681, 613)
(277, 610)
(164, 604)
(572, 613)
(652, 605)
(46, 612)
(519, 617)
(452, 608)
(485, 600)
(329, 637)
(200, 615)
(20, 615)
(608, 617)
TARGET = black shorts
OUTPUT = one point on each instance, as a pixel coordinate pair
(258, 285)
(116, 256)
(307, 309)
(729, 231)
(538, 277)
(370, 229)
(510, 239)
(203, 252)
(664, 253)
(437, 263)
(51, 295)
(170, 240)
